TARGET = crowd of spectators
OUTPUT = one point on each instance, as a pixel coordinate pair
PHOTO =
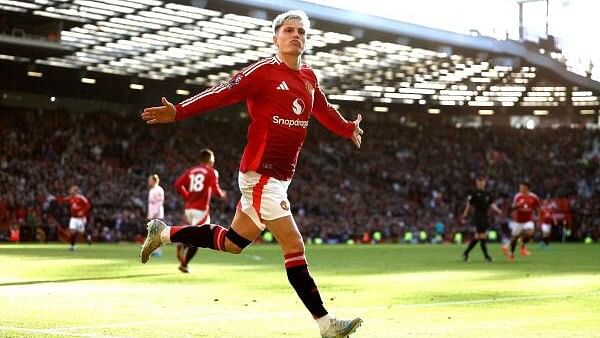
(403, 179)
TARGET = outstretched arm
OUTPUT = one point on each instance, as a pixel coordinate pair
(240, 87)
(160, 114)
(332, 120)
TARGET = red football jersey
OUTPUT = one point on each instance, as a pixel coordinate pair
(280, 102)
(546, 214)
(196, 186)
(525, 204)
(80, 206)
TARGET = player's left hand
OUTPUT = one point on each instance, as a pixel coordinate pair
(357, 134)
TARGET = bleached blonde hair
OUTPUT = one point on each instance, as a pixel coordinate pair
(290, 15)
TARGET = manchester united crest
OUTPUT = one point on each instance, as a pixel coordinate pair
(284, 205)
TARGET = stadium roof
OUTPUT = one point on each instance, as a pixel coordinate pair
(178, 46)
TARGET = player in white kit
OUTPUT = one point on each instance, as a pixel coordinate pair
(156, 200)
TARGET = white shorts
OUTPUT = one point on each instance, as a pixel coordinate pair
(77, 224)
(263, 197)
(196, 216)
(546, 228)
(156, 213)
(517, 227)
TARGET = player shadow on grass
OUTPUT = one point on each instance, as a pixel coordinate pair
(67, 280)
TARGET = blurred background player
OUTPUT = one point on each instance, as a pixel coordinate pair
(156, 200)
(546, 220)
(80, 208)
(196, 186)
(282, 95)
(481, 201)
(525, 204)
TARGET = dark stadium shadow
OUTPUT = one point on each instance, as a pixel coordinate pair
(81, 279)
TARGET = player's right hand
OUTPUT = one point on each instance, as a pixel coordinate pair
(162, 114)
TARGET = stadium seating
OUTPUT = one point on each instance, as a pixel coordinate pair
(402, 180)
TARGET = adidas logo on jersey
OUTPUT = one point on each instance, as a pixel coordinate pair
(283, 86)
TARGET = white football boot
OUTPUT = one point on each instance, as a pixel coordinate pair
(341, 328)
(155, 227)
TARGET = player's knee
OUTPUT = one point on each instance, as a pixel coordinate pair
(294, 247)
(235, 243)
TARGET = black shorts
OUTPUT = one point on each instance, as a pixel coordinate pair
(481, 225)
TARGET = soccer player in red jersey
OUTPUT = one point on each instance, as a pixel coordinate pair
(196, 186)
(281, 95)
(525, 204)
(546, 221)
(80, 208)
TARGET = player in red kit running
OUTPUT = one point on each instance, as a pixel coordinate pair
(80, 208)
(546, 221)
(196, 186)
(525, 204)
(281, 95)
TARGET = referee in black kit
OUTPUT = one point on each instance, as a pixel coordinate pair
(480, 200)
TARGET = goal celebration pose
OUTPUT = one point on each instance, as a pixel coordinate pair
(281, 95)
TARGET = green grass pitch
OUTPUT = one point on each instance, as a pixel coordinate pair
(399, 291)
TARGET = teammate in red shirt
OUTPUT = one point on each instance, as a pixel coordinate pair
(281, 95)
(196, 186)
(546, 221)
(525, 204)
(80, 208)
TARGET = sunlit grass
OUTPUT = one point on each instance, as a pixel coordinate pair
(399, 290)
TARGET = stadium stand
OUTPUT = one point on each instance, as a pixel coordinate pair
(403, 179)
